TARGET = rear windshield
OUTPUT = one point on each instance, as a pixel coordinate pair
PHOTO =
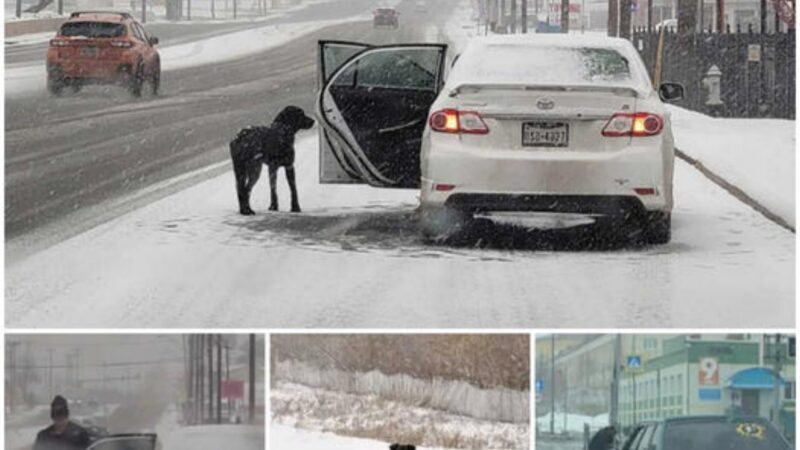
(93, 29)
(385, 11)
(718, 434)
(543, 65)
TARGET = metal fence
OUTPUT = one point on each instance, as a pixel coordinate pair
(756, 71)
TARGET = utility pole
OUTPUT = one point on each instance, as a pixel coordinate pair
(613, 17)
(252, 385)
(552, 384)
(513, 16)
(565, 16)
(614, 413)
(144, 11)
(19, 9)
(212, 9)
(219, 378)
(210, 339)
(778, 365)
(228, 373)
(50, 371)
(625, 19)
(200, 374)
(524, 16)
(12, 374)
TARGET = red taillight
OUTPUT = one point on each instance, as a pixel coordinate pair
(633, 124)
(58, 43)
(121, 44)
(645, 191)
(441, 187)
(455, 121)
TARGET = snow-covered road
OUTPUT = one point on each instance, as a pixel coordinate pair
(354, 259)
(289, 438)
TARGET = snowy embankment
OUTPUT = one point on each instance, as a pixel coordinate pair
(378, 418)
(290, 438)
(755, 155)
(454, 396)
(571, 423)
(28, 79)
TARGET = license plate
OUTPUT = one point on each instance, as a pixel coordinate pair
(89, 51)
(545, 134)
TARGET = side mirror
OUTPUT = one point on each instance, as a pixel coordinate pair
(671, 92)
(152, 40)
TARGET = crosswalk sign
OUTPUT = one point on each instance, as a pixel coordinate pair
(634, 362)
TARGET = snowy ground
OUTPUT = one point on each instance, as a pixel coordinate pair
(755, 155)
(215, 437)
(368, 416)
(354, 259)
(289, 438)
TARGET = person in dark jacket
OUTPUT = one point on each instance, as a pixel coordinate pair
(603, 439)
(62, 434)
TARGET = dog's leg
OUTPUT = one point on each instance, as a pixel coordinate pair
(293, 187)
(253, 171)
(242, 190)
(273, 188)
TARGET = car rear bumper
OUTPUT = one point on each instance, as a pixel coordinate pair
(98, 71)
(635, 179)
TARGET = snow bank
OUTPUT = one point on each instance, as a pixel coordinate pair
(454, 396)
(755, 155)
(289, 438)
(373, 417)
(571, 423)
(216, 437)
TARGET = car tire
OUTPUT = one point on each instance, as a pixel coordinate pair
(137, 80)
(155, 79)
(442, 224)
(657, 228)
(55, 82)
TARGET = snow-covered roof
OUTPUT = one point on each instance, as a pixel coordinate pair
(551, 60)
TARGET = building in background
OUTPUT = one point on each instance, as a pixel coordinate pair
(669, 375)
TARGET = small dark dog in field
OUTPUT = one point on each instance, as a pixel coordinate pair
(272, 146)
(402, 447)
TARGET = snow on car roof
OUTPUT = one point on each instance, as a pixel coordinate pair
(551, 60)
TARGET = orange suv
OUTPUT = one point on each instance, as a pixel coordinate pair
(99, 47)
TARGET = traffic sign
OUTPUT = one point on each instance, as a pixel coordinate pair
(635, 362)
(539, 385)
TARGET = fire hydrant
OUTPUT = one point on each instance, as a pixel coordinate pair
(712, 84)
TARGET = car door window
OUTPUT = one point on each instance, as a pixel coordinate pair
(378, 103)
(634, 445)
(396, 69)
(647, 437)
(142, 33)
(136, 33)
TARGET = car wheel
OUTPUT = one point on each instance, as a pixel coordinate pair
(55, 82)
(657, 228)
(137, 80)
(155, 80)
(442, 224)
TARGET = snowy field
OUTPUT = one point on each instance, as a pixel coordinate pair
(572, 423)
(354, 258)
(289, 438)
(215, 437)
(369, 416)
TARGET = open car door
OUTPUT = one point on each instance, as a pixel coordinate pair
(373, 110)
(137, 441)
(333, 167)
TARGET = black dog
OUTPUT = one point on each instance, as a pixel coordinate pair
(272, 146)
(402, 447)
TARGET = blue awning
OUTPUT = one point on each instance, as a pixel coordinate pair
(755, 378)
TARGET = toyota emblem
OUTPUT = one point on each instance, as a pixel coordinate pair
(545, 103)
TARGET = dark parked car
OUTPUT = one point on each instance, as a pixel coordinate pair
(386, 17)
(705, 433)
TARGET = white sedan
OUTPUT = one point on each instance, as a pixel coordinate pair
(524, 125)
